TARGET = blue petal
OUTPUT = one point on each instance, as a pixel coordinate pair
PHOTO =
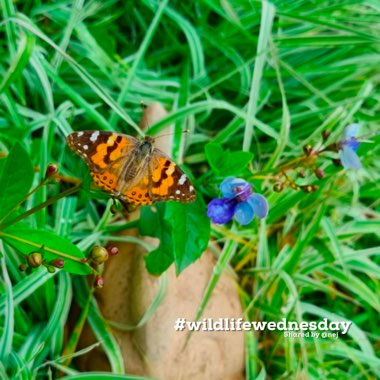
(244, 213)
(229, 186)
(352, 144)
(351, 131)
(221, 210)
(259, 205)
(349, 158)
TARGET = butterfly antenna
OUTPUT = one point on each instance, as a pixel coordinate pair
(173, 133)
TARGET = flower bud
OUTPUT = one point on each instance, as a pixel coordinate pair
(99, 281)
(337, 162)
(98, 254)
(302, 174)
(314, 187)
(113, 251)
(278, 187)
(22, 267)
(294, 186)
(319, 173)
(50, 268)
(308, 149)
(58, 263)
(307, 188)
(34, 259)
(325, 135)
(51, 170)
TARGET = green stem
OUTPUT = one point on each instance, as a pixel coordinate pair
(41, 206)
(23, 200)
(58, 253)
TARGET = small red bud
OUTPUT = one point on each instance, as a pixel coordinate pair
(58, 263)
(113, 251)
(308, 149)
(34, 259)
(51, 170)
(319, 173)
(314, 187)
(278, 187)
(302, 174)
(325, 135)
(337, 162)
(22, 267)
(99, 281)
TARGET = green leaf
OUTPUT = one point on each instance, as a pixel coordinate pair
(224, 162)
(18, 62)
(190, 231)
(183, 230)
(152, 223)
(26, 240)
(16, 177)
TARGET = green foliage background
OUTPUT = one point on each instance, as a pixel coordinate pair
(257, 79)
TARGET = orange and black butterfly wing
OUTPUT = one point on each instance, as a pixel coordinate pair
(163, 180)
(168, 181)
(105, 153)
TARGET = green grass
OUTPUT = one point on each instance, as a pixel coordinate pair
(253, 76)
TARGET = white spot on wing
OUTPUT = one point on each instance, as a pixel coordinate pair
(85, 147)
(80, 134)
(183, 179)
(94, 136)
(178, 192)
(191, 188)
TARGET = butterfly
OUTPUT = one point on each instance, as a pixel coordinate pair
(132, 170)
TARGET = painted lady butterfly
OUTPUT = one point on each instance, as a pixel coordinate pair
(132, 170)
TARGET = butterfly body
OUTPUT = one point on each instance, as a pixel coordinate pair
(130, 169)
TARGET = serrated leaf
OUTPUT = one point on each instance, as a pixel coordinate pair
(16, 178)
(26, 240)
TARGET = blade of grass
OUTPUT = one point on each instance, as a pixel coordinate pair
(75, 17)
(23, 289)
(79, 69)
(7, 337)
(285, 122)
(203, 106)
(267, 16)
(100, 328)
(18, 62)
(139, 57)
(354, 332)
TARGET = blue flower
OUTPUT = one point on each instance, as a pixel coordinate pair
(348, 147)
(238, 202)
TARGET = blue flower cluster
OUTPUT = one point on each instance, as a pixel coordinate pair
(348, 147)
(238, 202)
